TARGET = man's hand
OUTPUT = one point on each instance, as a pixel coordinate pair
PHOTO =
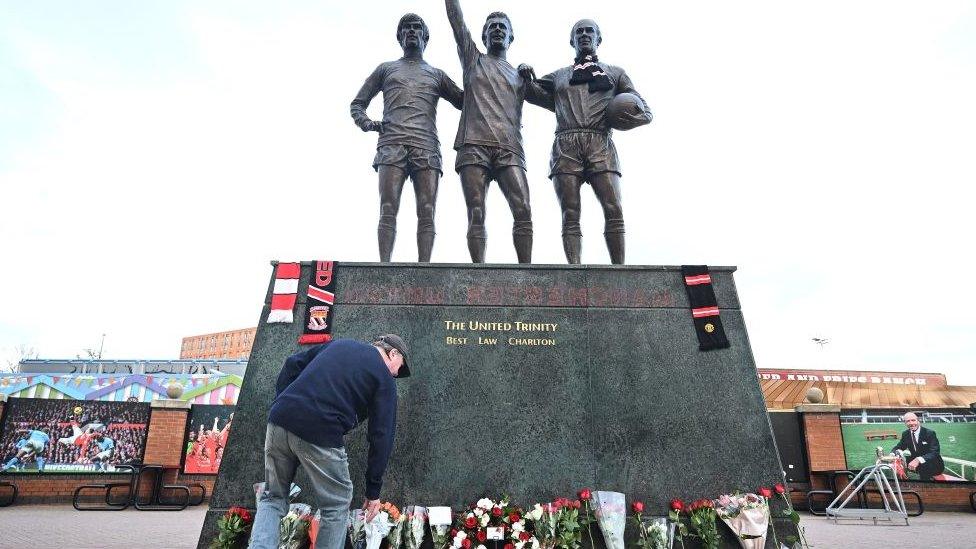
(372, 126)
(913, 464)
(372, 507)
(526, 72)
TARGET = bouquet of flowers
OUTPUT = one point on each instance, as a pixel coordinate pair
(490, 520)
(653, 532)
(439, 519)
(357, 528)
(568, 532)
(611, 515)
(293, 528)
(703, 518)
(395, 537)
(520, 537)
(416, 520)
(377, 529)
(233, 529)
(747, 515)
(545, 517)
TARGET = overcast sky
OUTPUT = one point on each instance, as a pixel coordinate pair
(155, 156)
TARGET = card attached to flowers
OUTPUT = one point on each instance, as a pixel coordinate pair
(439, 515)
(496, 533)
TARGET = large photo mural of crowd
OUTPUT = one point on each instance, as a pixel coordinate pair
(69, 436)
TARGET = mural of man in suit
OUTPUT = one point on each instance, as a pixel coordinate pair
(924, 446)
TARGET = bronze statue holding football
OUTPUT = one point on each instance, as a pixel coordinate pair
(589, 98)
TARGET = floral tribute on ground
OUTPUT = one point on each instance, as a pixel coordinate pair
(294, 527)
(652, 532)
(233, 529)
(496, 522)
(747, 515)
(559, 524)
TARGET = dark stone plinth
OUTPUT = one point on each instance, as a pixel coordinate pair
(616, 397)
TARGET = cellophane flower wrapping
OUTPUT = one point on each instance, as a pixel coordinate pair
(313, 527)
(416, 524)
(377, 529)
(293, 528)
(611, 514)
(439, 519)
(747, 516)
(659, 532)
(545, 518)
(395, 537)
(357, 528)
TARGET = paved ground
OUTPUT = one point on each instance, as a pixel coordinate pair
(60, 526)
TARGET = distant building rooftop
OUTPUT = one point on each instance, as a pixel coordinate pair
(784, 389)
(132, 366)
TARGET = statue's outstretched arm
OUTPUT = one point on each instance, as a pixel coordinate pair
(462, 35)
(538, 91)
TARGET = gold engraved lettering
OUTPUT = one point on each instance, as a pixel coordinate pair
(497, 326)
(520, 341)
(456, 340)
(536, 326)
(487, 340)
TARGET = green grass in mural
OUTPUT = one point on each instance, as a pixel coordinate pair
(957, 440)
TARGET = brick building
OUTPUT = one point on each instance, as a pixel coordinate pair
(230, 344)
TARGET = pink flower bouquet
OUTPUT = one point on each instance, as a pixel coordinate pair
(747, 516)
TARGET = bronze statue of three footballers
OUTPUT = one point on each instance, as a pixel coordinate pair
(489, 138)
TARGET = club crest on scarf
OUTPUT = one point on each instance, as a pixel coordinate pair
(321, 301)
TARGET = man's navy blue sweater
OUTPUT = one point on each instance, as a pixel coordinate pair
(324, 392)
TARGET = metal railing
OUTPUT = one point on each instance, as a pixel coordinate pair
(963, 465)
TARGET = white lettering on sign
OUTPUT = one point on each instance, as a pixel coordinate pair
(841, 378)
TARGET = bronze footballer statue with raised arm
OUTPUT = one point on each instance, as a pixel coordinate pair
(489, 138)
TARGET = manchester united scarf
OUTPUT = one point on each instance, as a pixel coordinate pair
(587, 71)
(319, 307)
(704, 308)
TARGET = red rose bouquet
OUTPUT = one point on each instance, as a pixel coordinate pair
(702, 516)
(233, 529)
(569, 534)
